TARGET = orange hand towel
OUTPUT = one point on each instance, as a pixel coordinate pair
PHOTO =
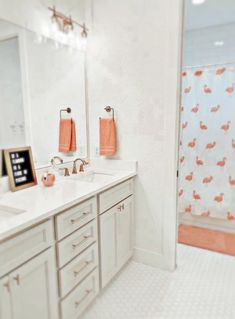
(67, 142)
(108, 143)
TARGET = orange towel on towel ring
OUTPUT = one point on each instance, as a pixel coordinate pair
(108, 140)
(67, 141)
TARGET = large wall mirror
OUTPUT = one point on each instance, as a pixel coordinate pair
(38, 78)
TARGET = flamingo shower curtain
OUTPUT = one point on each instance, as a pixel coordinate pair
(207, 143)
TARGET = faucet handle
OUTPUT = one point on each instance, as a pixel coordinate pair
(66, 171)
(74, 171)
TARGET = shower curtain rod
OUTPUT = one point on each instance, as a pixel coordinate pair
(207, 65)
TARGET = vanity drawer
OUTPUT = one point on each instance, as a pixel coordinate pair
(24, 246)
(75, 303)
(73, 245)
(78, 269)
(75, 217)
(114, 195)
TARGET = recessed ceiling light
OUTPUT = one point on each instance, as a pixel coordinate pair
(218, 43)
(197, 2)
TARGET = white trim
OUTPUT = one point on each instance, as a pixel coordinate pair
(150, 258)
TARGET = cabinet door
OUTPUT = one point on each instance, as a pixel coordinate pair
(34, 289)
(108, 254)
(124, 231)
(5, 299)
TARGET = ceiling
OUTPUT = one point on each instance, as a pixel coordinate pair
(210, 13)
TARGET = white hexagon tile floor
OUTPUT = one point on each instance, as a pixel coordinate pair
(202, 287)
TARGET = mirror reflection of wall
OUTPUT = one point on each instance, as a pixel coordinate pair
(12, 132)
(37, 79)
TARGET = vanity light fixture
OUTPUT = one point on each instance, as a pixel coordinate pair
(197, 2)
(65, 23)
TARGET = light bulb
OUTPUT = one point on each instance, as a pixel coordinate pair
(197, 2)
(218, 43)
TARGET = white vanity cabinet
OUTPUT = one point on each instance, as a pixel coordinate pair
(29, 290)
(116, 230)
(54, 270)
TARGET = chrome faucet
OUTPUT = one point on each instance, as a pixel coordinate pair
(81, 167)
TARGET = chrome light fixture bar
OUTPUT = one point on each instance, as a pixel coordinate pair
(66, 23)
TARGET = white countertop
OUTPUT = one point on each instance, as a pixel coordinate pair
(40, 203)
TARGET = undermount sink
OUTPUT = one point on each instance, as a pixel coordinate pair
(93, 177)
(8, 212)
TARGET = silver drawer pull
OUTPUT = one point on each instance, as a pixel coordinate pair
(73, 221)
(82, 241)
(79, 270)
(87, 293)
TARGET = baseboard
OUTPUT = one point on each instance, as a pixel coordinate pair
(150, 258)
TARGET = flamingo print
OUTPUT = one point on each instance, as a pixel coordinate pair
(233, 143)
(182, 159)
(215, 109)
(230, 216)
(206, 214)
(220, 71)
(222, 162)
(219, 198)
(207, 90)
(207, 180)
(187, 90)
(199, 162)
(184, 73)
(182, 109)
(198, 73)
(195, 108)
(196, 196)
(189, 177)
(210, 146)
(231, 181)
(192, 144)
(230, 89)
(188, 209)
(203, 126)
(184, 125)
(225, 127)
(181, 192)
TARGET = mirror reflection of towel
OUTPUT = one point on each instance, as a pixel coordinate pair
(67, 141)
(108, 143)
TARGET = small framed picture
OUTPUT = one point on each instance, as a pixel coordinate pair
(20, 168)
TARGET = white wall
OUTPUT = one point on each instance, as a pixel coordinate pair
(199, 46)
(133, 61)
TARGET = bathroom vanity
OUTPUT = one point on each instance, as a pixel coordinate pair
(64, 244)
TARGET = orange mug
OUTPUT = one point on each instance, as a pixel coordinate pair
(48, 179)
